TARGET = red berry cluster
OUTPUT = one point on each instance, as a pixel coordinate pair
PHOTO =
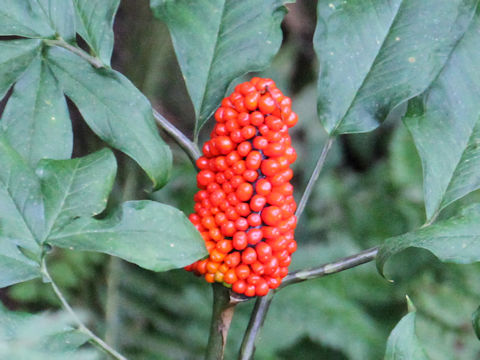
(245, 207)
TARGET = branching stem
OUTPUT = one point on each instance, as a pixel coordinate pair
(263, 303)
(81, 326)
(94, 61)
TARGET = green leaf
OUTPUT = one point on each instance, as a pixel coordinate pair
(15, 267)
(61, 17)
(152, 235)
(21, 217)
(219, 40)
(376, 54)
(76, 187)
(21, 198)
(36, 121)
(115, 110)
(403, 343)
(454, 240)
(95, 25)
(15, 57)
(25, 18)
(445, 124)
(476, 322)
(40, 337)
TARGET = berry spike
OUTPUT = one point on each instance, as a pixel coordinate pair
(245, 208)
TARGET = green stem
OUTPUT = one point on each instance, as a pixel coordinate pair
(262, 304)
(257, 319)
(81, 326)
(94, 61)
(190, 148)
(222, 314)
(313, 178)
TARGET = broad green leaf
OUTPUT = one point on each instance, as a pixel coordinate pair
(403, 343)
(115, 110)
(219, 40)
(25, 18)
(15, 267)
(15, 57)
(36, 121)
(152, 235)
(376, 54)
(61, 17)
(445, 124)
(21, 217)
(476, 322)
(454, 240)
(95, 25)
(40, 337)
(21, 198)
(76, 187)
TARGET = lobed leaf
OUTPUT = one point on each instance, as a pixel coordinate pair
(115, 110)
(376, 54)
(95, 25)
(76, 187)
(152, 235)
(15, 58)
(218, 40)
(454, 240)
(36, 121)
(445, 124)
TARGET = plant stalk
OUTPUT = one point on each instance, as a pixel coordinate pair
(81, 326)
(314, 177)
(222, 315)
(94, 61)
(190, 148)
(262, 304)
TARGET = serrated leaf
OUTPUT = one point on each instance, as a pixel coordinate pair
(152, 235)
(36, 121)
(376, 54)
(41, 337)
(76, 187)
(454, 240)
(445, 124)
(403, 343)
(95, 25)
(115, 110)
(476, 322)
(25, 18)
(15, 57)
(238, 37)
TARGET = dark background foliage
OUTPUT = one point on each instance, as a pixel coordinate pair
(371, 190)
